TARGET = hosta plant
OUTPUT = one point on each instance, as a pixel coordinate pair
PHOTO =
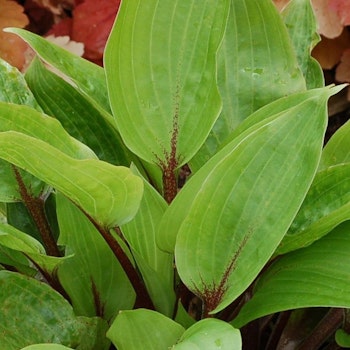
(180, 197)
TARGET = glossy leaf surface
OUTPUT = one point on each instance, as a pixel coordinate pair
(228, 231)
(110, 195)
(163, 86)
(314, 276)
(144, 329)
(99, 286)
(256, 65)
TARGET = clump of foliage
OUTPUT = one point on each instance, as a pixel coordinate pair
(181, 196)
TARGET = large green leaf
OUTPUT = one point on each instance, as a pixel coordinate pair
(314, 276)
(160, 63)
(177, 211)
(337, 149)
(89, 77)
(101, 286)
(210, 334)
(326, 205)
(256, 65)
(31, 312)
(109, 194)
(156, 266)
(144, 329)
(235, 210)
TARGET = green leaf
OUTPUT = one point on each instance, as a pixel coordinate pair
(13, 87)
(109, 194)
(337, 149)
(210, 334)
(342, 338)
(311, 277)
(256, 65)
(301, 23)
(16, 240)
(326, 205)
(144, 329)
(162, 87)
(89, 77)
(156, 266)
(177, 211)
(15, 259)
(226, 214)
(42, 316)
(77, 114)
(276, 107)
(31, 122)
(93, 278)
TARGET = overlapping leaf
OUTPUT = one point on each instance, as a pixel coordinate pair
(256, 65)
(155, 265)
(315, 276)
(144, 329)
(227, 212)
(89, 77)
(78, 115)
(302, 27)
(109, 194)
(16, 240)
(326, 205)
(101, 286)
(176, 213)
(13, 89)
(210, 334)
(160, 64)
(337, 149)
